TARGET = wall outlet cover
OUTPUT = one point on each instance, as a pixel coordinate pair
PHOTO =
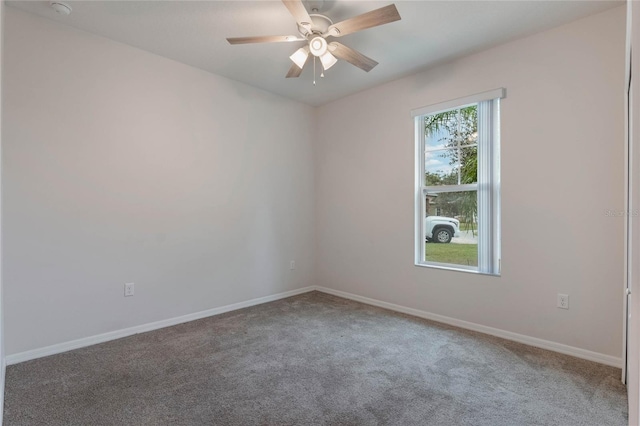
(563, 301)
(129, 289)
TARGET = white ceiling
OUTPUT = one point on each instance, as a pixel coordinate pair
(430, 32)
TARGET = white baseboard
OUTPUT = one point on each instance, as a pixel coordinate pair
(105, 337)
(112, 335)
(532, 341)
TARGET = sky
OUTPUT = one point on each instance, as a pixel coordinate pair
(437, 161)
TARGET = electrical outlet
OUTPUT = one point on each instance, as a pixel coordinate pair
(563, 301)
(128, 289)
(292, 265)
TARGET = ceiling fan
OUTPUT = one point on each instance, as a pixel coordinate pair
(315, 28)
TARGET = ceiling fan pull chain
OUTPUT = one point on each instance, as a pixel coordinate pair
(314, 70)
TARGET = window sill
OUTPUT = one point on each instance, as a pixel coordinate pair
(454, 268)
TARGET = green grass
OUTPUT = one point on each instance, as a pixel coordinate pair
(458, 254)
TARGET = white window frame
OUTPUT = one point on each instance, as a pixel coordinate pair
(487, 187)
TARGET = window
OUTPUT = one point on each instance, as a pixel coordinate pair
(458, 184)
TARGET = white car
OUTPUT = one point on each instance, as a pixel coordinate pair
(441, 229)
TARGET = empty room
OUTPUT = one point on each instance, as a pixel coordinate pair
(320, 212)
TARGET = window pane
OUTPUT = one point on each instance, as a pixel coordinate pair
(450, 228)
(452, 128)
(469, 165)
(441, 167)
(451, 166)
(436, 139)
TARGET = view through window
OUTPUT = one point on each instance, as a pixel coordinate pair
(451, 159)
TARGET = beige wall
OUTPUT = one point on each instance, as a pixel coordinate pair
(122, 166)
(562, 167)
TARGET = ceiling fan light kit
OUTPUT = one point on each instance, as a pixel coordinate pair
(328, 60)
(300, 56)
(315, 28)
(318, 46)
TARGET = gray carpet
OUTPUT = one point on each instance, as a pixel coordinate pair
(313, 359)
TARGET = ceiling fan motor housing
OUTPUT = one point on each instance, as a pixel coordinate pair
(319, 25)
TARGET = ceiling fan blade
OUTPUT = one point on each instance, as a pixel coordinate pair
(354, 57)
(263, 39)
(294, 71)
(299, 12)
(377, 17)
